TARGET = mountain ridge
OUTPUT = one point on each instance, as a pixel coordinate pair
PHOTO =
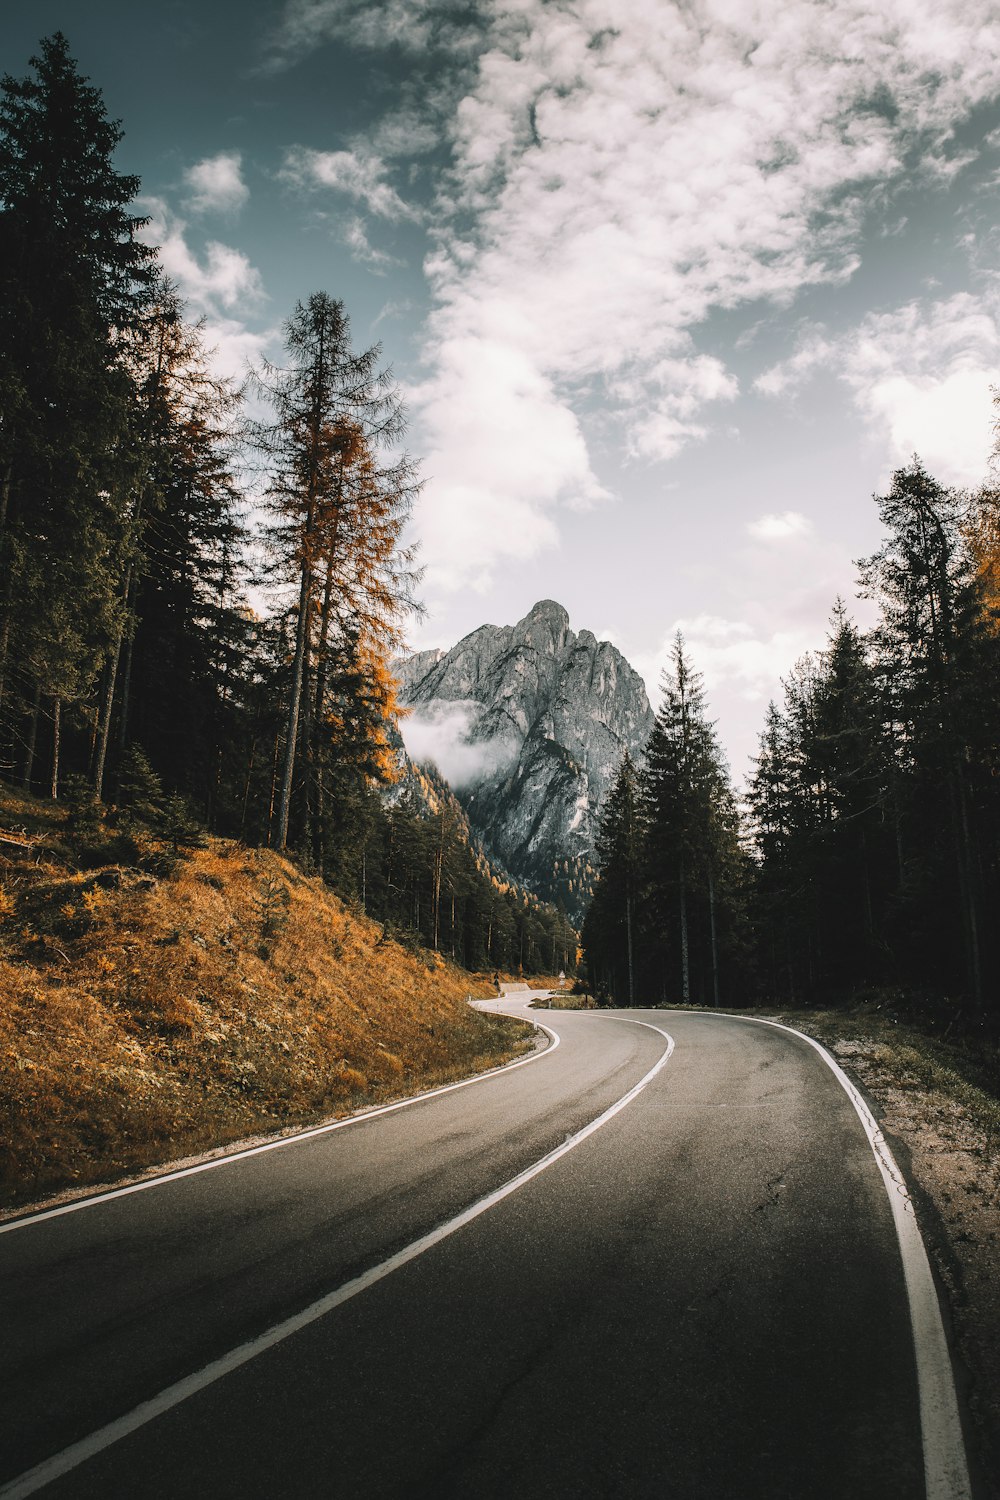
(529, 722)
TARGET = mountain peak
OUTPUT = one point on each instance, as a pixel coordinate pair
(548, 610)
(530, 723)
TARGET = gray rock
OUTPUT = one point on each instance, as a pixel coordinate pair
(540, 719)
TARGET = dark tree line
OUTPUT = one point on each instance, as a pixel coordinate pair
(875, 805)
(665, 923)
(130, 477)
(869, 854)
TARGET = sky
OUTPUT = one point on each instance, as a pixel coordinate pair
(670, 286)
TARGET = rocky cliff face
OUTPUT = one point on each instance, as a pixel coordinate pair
(529, 722)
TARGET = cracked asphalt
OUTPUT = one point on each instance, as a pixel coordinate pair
(702, 1300)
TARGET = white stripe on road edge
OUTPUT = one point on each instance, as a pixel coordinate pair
(946, 1471)
(286, 1140)
(105, 1437)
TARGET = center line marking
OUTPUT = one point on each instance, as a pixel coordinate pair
(70, 1458)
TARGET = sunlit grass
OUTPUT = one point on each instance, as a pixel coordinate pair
(145, 1019)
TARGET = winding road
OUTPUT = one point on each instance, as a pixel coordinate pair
(658, 1258)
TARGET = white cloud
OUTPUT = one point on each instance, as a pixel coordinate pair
(502, 450)
(222, 278)
(921, 375)
(775, 526)
(220, 286)
(412, 25)
(444, 733)
(355, 237)
(216, 184)
(357, 174)
(617, 175)
(733, 654)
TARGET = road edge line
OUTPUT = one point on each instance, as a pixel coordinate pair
(50, 1469)
(946, 1469)
(160, 1179)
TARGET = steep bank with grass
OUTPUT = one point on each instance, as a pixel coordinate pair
(149, 1016)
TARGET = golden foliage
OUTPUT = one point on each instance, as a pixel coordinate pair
(981, 531)
(159, 1024)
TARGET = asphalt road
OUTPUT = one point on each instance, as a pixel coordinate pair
(701, 1299)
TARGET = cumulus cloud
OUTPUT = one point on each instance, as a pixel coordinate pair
(219, 285)
(215, 185)
(412, 26)
(501, 449)
(924, 374)
(921, 376)
(357, 174)
(444, 733)
(617, 175)
(355, 237)
(732, 654)
(775, 526)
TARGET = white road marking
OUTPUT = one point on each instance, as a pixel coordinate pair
(946, 1471)
(276, 1145)
(30, 1482)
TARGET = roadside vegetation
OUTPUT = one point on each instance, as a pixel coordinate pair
(158, 1006)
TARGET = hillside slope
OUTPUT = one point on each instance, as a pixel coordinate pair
(143, 1018)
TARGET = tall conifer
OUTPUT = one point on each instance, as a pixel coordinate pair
(73, 277)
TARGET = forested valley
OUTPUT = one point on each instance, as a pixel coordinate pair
(862, 859)
(203, 586)
(145, 502)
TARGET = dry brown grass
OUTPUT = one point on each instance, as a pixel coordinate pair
(142, 1019)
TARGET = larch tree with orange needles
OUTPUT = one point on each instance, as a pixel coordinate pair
(338, 512)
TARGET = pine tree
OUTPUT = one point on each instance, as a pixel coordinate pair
(73, 279)
(930, 646)
(610, 924)
(188, 630)
(338, 513)
(691, 845)
(818, 801)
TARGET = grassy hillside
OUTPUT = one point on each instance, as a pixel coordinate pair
(148, 1016)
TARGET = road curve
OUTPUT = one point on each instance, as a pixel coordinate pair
(703, 1297)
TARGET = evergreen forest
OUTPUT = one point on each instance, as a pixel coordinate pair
(203, 587)
(145, 502)
(863, 859)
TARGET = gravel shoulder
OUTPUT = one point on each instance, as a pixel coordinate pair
(938, 1107)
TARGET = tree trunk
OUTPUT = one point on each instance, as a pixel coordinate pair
(126, 695)
(29, 754)
(56, 737)
(4, 645)
(631, 969)
(685, 966)
(274, 787)
(967, 883)
(292, 726)
(8, 573)
(438, 862)
(104, 723)
(322, 676)
(715, 951)
(246, 787)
